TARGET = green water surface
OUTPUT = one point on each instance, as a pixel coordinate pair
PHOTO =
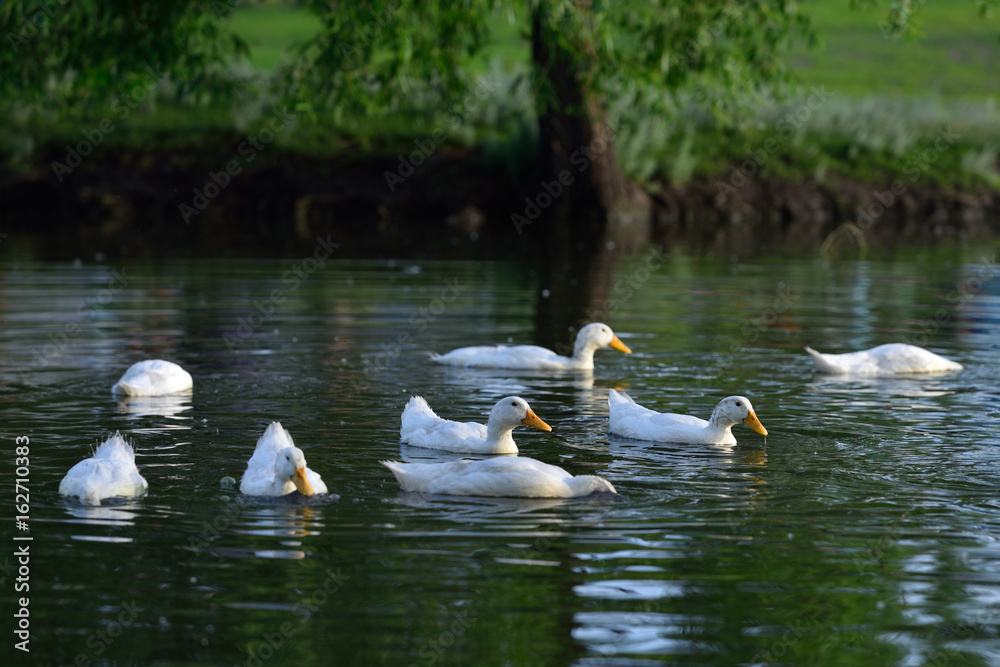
(866, 531)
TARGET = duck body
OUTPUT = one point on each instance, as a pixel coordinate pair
(421, 427)
(110, 473)
(533, 357)
(153, 377)
(505, 477)
(278, 467)
(628, 419)
(888, 359)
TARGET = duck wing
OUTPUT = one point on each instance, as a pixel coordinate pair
(517, 477)
(503, 356)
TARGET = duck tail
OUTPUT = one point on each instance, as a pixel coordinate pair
(822, 365)
(417, 404)
(396, 467)
(107, 449)
(616, 397)
(416, 411)
(277, 432)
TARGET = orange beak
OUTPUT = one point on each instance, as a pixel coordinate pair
(301, 483)
(755, 424)
(533, 421)
(617, 344)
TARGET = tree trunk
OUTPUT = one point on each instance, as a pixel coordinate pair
(599, 206)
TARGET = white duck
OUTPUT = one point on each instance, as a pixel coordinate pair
(278, 467)
(630, 420)
(109, 473)
(888, 359)
(153, 377)
(589, 339)
(422, 428)
(503, 477)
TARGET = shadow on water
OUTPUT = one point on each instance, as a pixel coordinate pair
(574, 285)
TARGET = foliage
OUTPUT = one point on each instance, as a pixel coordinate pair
(373, 56)
(66, 54)
(370, 57)
(664, 68)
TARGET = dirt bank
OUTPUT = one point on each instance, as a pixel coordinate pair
(130, 203)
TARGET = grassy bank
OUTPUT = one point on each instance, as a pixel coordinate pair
(869, 109)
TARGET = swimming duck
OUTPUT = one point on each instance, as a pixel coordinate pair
(109, 473)
(630, 420)
(278, 467)
(888, 359)
(590, 338)
(422, 428)
(502, 477)
(153, 377)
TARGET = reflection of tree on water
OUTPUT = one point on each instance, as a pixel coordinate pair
(576, 277)
(574, 280)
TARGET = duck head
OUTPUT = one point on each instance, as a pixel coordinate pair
(597, 335)
(514, 411)
(292, 466)
(736, 410)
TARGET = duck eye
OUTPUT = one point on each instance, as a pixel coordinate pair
(738, 404)
(514, 403)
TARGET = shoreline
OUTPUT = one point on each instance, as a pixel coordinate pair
(130, 203)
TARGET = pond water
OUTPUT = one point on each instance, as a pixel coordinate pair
(866, 530)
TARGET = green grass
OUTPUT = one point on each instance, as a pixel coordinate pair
(955, 57)
(273, 33)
